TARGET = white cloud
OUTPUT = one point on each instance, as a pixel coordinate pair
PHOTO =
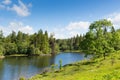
(21, 9)
(78, 25)
(115, 19)
(72, 29)
(17, 26)
(7, 2)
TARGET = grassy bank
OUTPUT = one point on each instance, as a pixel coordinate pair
(97, 69)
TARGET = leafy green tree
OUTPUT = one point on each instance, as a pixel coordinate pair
(10, 48)
(76, 44)
(13, 37)
(53, 45)
(22, 47)
(30, 50)
(1, 43)
(19, 36)
(46, 49)
(40, 40)
(115, 42)
(97, 40)
(60, 64)
(37, 51)
(1, 50)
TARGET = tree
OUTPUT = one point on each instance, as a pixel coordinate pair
(1, 35)
(52, 44)
(22, 47)
(10, 48)
(76, 44)
(1, 43)
(97, 40)
(1, 50)
(46, 48)
(13, 37)
(115, 42)
(19, 36)
(30, 50)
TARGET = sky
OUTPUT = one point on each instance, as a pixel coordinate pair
(64, 18)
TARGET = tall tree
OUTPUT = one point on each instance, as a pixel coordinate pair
(46, 46)
(13, 36)
(97, 40)
(52, 44)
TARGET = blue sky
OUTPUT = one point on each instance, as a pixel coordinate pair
(65, 18)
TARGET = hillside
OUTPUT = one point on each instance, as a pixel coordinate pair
(97, 69)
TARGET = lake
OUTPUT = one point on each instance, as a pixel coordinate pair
(11, 68)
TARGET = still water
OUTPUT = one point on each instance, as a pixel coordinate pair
(11, 68)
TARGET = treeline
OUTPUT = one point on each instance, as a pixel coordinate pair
(71, 44)
(101, 40)
(21, 43)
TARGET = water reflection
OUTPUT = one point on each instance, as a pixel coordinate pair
(11, 68)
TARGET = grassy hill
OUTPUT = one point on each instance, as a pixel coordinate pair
(94, 69)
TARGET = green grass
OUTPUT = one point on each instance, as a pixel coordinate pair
(97, 69)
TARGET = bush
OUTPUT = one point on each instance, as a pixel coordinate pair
(60, 64)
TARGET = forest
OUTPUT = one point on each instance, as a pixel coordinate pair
(21, 43)
(100, 40)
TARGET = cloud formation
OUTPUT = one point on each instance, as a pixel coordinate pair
(20, 9)
(78, 25)
(72, 29)
(17, 26)
(115, 19)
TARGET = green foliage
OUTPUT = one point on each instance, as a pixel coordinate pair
(1, 50)
(21, 43)
(10, 48)
(1, 44)
(22, 47)
(71, 44)
(37, 51)
(112, 76)
(60, 64)
(54, 47)
(53, 67)
(99, 38)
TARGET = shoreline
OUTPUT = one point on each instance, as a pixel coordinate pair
(74, 51)
(1, 57)
(24, 55)
(85, 70)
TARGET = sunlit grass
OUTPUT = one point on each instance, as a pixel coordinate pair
(98, 69)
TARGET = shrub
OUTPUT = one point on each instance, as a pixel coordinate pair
(60, 64)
